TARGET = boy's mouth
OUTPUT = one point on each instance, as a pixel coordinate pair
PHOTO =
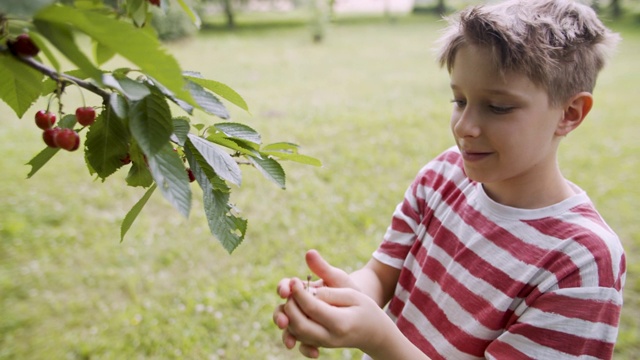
(471, 156)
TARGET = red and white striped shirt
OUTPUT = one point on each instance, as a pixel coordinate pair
(482, 280)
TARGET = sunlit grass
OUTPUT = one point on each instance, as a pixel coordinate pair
(369, 102)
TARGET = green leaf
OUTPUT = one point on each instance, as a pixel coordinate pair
(20, 85)
(169, 173)
(219, 88)
(102, 53)
(150, 123)
(188, 108)
(42, 45)
(195, 19)
(221, 162)
(41, 159)
(299, 158)
(241, 146)
(239, 131)
(139, 175)
(228, 228)
(132, 215)
(137, 10)
(206, 101)
(282, 146)
(270, 168)
(60, 35)
(136, 45)
(119, 105)
(131, 89)
(181, 129)
(106, 144)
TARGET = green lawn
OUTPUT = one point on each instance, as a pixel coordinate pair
(370, 103)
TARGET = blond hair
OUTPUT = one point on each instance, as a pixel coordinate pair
(560, 45)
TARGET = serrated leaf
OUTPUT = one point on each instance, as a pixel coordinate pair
(169, 173)
(181, 129)
(41, 159)
(239, 131)
(218, 88)
(107, 143)
(20, 85)
(221, 162)
(206, 101)
(132, 215)
(228, 228)
(270, 168)
(138, 46)
(150, 123)
(299, 158)
(139, 175)
(60, 35)
(188, 108)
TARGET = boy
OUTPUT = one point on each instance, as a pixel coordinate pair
(493, 253)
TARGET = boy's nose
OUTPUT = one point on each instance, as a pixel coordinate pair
(465, 124)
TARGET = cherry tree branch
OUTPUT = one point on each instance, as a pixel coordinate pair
(63, 78)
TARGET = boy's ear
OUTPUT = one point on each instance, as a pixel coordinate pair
(575, 110)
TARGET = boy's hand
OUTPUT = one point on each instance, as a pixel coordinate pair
(329, 276)
(334, 317)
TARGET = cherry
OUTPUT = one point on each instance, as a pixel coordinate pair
(23, 46)
(67, 139)
(126, 160)
(48, 135)
(45, 119)
(154, 2)
(85, 115)
(192, 177)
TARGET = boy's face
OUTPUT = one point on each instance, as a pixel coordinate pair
(503, 125)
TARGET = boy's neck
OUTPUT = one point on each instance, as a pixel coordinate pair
(531, 193)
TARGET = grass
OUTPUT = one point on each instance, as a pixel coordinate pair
(369, 102)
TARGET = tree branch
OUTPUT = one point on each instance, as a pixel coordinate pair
(65, 78)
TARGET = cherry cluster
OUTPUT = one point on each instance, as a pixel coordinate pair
(64, 138)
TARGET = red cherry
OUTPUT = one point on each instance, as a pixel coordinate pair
(48, 135)
(85, 115)
(23, 46)
(67, 139)
(154, 2)
(192, 177)
(45, 119)
(126, 160)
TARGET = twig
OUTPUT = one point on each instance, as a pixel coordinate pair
(65, 78)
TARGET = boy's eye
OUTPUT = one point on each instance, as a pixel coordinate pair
(500, 109)
(459, 103)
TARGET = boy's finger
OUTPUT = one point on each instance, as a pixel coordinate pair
(284, 290)
(288, 340)
(280, 318)
(331, 275)
(313, 307)
(309, 351)
(338, 297)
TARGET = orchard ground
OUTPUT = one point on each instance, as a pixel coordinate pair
(370, 102)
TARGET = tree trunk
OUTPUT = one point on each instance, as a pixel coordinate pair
(616, 11)
(441, 8)
(228, 13)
